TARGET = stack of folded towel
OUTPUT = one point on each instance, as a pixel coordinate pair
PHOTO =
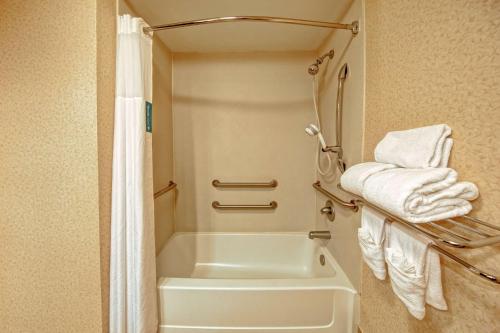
(416, 195)
(412, 181)
(409, 179)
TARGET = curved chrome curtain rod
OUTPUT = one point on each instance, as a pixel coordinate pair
(354, 26)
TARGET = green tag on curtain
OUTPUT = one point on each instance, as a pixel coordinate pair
(149, 117)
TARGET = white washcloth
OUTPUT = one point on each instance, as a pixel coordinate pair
(420, 195)
(354, 178)
(415, 271)
(416, 148)
(371, 237)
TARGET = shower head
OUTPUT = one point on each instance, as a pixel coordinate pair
(313, 130)
(314, 68)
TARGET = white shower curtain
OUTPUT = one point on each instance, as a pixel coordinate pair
(133, 307)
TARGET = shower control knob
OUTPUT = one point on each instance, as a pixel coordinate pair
(328, 210)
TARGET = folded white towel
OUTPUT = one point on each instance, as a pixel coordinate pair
(354, 178)
(415, 271)
(420, 195)
(372, 236)
(416, 148)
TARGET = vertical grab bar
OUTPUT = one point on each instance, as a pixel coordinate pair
(340, 104)
(344, 70)
(337, 149)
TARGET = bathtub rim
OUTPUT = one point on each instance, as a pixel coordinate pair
(338, 282)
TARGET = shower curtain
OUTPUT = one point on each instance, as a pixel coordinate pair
(133, 307)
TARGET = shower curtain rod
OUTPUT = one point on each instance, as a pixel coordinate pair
(354, 26)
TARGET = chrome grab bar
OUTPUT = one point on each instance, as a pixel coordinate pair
(348, 204)
(217, 183)
(337, 149)
(171, 185)
(217, 205)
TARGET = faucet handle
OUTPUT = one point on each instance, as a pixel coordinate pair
(328, 210)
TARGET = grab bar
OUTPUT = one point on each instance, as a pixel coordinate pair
(337, 149)
(217, 205)
(217, 183)
(171, 185)
(351, 204)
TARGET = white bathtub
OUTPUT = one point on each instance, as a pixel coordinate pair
(249, 282)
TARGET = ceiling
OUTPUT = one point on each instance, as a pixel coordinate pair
(240, 36)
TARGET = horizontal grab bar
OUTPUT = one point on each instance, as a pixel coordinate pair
(218, 183)
(348, 204)
(171, 185)
(217, 205)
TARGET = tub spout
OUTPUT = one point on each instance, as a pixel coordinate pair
(323, 234)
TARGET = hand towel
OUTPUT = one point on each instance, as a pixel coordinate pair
(415, 271)
(416, 148)
(371, 237)
(420, 195)
(354, 178)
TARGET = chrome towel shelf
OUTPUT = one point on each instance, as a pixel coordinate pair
(217, 205)
(171, 185)
(216, 183)
(468, 232)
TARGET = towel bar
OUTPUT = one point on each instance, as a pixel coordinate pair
(217, 205)
(453, 239)
(271, 184)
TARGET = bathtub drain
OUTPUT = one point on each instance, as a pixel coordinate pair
(322, 260)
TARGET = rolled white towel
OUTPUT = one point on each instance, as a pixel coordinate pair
(371, 237)
(420, 195)
(416, 148)
(354, 178)
(415, 271)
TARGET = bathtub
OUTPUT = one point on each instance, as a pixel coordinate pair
(251, 282)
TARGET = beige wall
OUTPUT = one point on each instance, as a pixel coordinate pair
(241, 117)
(163, 167)
(55, 107)
(350, 50)
(106, 47)
(434, 62)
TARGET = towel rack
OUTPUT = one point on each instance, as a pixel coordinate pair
(271, 205)
(216, 183)
(171, 185)
(445, 235)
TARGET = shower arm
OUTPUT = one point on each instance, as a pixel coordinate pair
(337, 149)
(314, 68)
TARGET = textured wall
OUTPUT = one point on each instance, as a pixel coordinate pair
(106, 47)
(241, 117)
(434, 62)
(50, 269)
